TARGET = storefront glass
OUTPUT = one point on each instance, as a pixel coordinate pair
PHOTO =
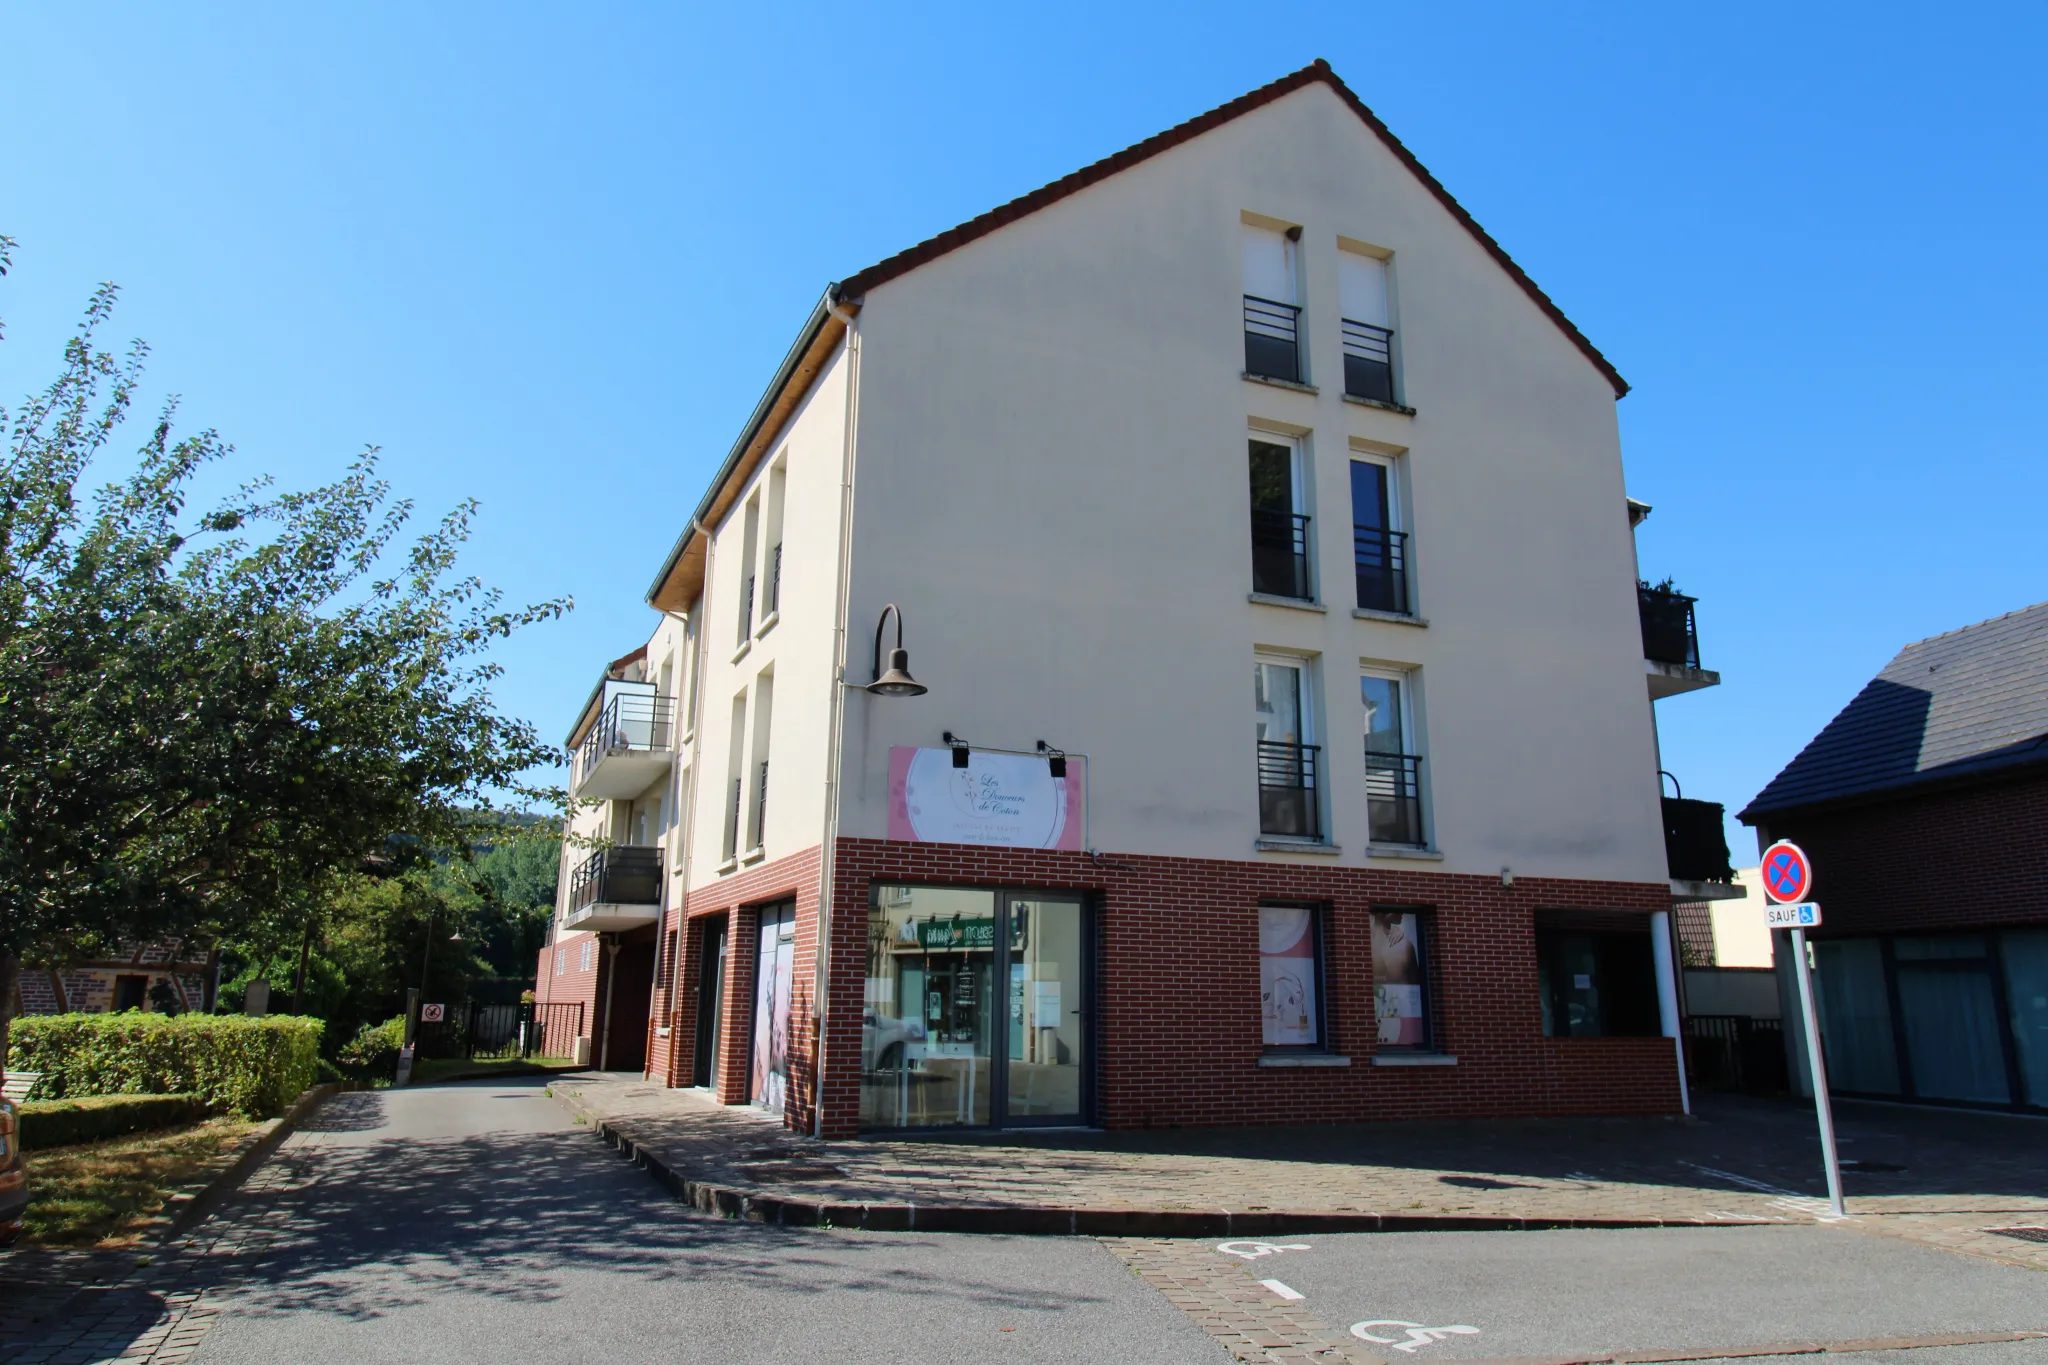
(1855, 1016)
(1951, 1018)
(2026, 995)
(1044, 1075)
(926, 1020)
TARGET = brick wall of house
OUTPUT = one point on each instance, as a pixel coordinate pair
(1971, 857)
(575, 984)
(1179, 1017)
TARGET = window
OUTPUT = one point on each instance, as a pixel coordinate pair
(561, 961)
(764, 705)
(735, 775)
(1393, 770)
(1291, 977)
(1379, 548)
(1400, 980)
(130, 992)
(1289, 805)
(771, 557)
(1368, 334)
(749, 544)
(690, 665)
(583, 965)
(1280, 550)
(1597, 975)
(1272, 311)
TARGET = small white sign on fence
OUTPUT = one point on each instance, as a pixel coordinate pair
(431, 1014)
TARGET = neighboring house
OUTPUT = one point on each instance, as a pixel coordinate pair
(1260, 532)
(1924, 807)
(124, 982)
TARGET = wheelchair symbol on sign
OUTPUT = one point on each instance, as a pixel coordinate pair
(1418, 1335)
(1251, 1251)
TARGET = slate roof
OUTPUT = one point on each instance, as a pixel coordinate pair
(1973, 701)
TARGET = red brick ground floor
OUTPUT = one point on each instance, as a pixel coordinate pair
(1015, 987)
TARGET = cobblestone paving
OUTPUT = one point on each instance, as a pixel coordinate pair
(1937, 1177)
(1252, 1322)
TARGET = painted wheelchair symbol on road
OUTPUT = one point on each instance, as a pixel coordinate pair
(1251, 1251)
(1418, 1335)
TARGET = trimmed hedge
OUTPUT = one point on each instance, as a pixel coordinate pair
(373, 1053)
(60, 1123)
(253, 1067)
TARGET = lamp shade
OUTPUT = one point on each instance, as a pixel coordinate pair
(896, 680)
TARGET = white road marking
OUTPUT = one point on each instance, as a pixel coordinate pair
(1818, 1210)
(1251, 1251)
(1418, 1335)
(1291, 1295)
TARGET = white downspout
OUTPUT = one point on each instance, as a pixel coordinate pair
(822, 960)
(1661, 947)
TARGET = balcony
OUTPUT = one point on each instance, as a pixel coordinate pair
(1696, 851)
(1380, 561)
(1671, 642)
(1393, 798)
(1368, 361)
(1288, 805)
(615, 889)
(627, 749)
(1280, 554)
(1272, 339)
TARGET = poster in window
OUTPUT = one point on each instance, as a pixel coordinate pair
(1397, 977)
(1287, 975)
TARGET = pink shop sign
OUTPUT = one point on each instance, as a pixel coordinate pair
(1007, 800)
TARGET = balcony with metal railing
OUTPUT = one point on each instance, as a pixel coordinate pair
(1393, 798)
(1380, 562)
(1272, 339)
(614, 889)
(1671, 641)
(1280, 554)
(626, 749)
(1368, 361)
(1289, 801)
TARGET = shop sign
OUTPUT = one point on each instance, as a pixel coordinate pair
(1006, 800)
(944, 935)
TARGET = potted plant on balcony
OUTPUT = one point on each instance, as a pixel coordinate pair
(1667, 623)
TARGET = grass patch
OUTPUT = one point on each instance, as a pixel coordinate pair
(430, 1069)
(103, 1194)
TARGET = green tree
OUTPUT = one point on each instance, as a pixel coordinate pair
(206, 720)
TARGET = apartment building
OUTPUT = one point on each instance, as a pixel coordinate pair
(1167, 651)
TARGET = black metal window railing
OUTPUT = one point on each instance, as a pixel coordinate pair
(1288, 783)
(732, 820)
(1368, 360)
(626, 874)
(774, 603)
(1671, 634)
(1280, 554)
(1696, 841)
(746, 608)
(1380, 558)
(760, 827)
(630, 720)
(1272, 339)
(1393, 798)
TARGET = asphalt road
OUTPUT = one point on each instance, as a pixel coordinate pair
(1553, 1293)
(476, 1223)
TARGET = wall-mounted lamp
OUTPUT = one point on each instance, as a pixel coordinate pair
(896, 680)
(958, 746)
(1055, 759)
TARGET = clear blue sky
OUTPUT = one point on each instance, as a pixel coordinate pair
(549, 256)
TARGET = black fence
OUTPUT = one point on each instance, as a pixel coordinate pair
(1287, 790)
(625, 874)
(479, 1030)
(631, 720)
(1280, 554)
(1368, 361)
(1380, 560)
(1736, 1053)
(1393, 797)
(1272, 345)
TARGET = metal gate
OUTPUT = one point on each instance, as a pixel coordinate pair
(479, 1031)
(1738, 1053)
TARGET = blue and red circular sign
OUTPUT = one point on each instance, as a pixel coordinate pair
(1787, 875)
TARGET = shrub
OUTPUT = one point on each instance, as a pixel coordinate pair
(253, 1067)
(60, 1123)
(373, 1053)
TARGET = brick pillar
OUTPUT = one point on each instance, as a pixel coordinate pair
(736, 1015)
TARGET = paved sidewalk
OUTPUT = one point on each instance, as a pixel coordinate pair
(1939, 1177)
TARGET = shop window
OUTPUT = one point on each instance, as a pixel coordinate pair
(2026, 991)
(1291, 978)
(1597, 976)
(1400, 980)
(1856, 1016)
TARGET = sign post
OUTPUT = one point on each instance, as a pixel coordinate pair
(1788, 881)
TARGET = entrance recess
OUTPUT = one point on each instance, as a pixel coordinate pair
(710, 990)
(774, 966)
(976, 1010)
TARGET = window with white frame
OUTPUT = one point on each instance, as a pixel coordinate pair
(1393, 764)
(1379, 546)
(1283, 704)
(583, 965)
(561, 961)
(1281, 554)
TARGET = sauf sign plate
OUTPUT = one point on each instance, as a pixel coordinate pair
(1801, 915)
(1008, 800)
